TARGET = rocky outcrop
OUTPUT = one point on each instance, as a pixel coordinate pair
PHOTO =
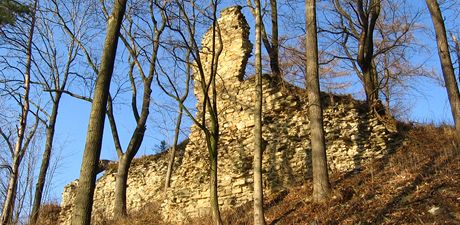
(353, 136)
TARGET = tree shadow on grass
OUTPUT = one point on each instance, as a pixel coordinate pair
(287, 213)
(428, 173)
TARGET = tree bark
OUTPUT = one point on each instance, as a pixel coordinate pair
(446, 64)
(274, 50)
(174, 148)
(18, 152)
(8, 206)
(181, 100)
(125, 159)
(214, 198)
(120, 209)
(457, 52)
(370, 84)
(273, 47)
(210, 107)
(45, 160)
(367, 13)
(321, 185)
(81, 213)
(208, 120)
(258, 195)
(368, 17)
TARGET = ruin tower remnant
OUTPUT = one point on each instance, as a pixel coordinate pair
(353, 136)
(231, 36)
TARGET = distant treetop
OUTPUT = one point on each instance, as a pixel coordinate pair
(9, 9)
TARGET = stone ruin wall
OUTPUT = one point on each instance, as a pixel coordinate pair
(352, 137)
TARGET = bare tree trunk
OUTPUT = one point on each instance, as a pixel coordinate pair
(60, 86)
(273, 47)
(45, 160)
(137, 136)
(321, 185)
(174, 147)
(120, 209)
(368, 15)
(258, 195)
(446, 64)
(181, 100)
(214, 194)
(457, 52)
(274, 53)
(8, 206)
(210, 100)
(214, 198)
(124, 163)
(81, 213)
(18, 152)
(209, 120)
(370, 85)
(24, 187)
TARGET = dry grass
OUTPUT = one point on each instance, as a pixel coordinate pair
(148, 215)
(49, 214)
(241, 215)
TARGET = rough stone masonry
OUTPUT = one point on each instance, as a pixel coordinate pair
(352, 137)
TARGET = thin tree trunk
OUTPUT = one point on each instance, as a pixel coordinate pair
(179, 120)
(321, 185)
(368, 15)
(457, 52)
(81, 213)
(45, 160)
(120, 209)
(18, 152)
(369, 86)
(273, 47)
(208, 121)
(8, 206)
(174, 147)
(137, 136)
(274, 52)
(124, 163)
(212, 135)
(386, 86)
(213, 191)
(446, 64)
(258, 195)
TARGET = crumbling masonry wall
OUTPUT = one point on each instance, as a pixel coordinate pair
(352, 137)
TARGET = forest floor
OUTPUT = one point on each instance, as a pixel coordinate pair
(418, 183)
